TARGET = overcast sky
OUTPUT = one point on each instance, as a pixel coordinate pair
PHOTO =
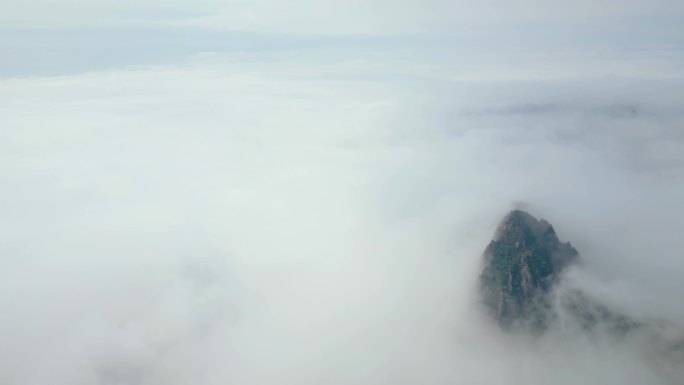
(268, 192)
(506, 39)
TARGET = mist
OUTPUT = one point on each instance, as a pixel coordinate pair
(307, 202)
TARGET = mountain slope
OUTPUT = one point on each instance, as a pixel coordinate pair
(521, 265)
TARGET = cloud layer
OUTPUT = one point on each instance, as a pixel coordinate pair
(313, 210)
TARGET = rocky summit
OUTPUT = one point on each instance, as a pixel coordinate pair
(521, 264)
(522, 267)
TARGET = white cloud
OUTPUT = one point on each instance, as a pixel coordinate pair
(273, 219)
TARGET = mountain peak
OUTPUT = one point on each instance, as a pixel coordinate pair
(522, 262)
(519, 219)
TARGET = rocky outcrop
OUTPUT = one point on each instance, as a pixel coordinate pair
(520, 288)
(522, 263)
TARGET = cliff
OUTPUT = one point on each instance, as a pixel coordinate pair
(521, 265)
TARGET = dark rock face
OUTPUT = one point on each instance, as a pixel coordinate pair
(521, 265)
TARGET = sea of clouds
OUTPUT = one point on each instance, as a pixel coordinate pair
(317, 213)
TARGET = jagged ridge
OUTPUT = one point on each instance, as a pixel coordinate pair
(521, 265)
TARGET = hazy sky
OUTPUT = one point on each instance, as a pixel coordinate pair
(458, 39)
(269, 192)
